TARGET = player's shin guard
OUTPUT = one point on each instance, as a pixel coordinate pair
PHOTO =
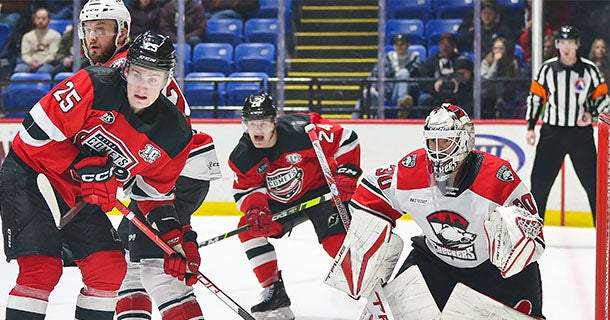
(176, 300)
(263, 259)
(103, 273)
(134, 302)
(38, 275)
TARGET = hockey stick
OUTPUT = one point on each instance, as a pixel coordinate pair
(377, 297)
(45, 188)
(168, 250)
(276, 216)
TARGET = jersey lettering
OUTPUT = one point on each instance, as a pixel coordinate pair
(384, 176)
(66, 103)
(526, 202)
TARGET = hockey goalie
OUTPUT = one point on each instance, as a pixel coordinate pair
(481, 233)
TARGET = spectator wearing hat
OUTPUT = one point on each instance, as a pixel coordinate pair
(440, 67)
(400, 64)
(492, 27)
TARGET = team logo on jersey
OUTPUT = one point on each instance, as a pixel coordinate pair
(100, 141)
(409, 161)
(108, 118)
(150, 153)
(284, 183)
(118, 63)
(452, 238)
(580, 85)
(504, 174)
(333, 220)
(293, 158)
(262, 168)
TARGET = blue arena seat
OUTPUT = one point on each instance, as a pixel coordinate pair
(21, 97)
(60, 25)
(261, 30)
(213, 57)
(205, 93)
(436, 27)
(61, 76)
(237, 92)
(188, 57)
(5, 32)
(452, 9)
(414, 28)
(224, 30)
(255, 57)
(409, 9)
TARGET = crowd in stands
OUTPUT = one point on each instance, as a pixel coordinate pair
(506, 49)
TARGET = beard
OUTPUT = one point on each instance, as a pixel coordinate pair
(103, 56)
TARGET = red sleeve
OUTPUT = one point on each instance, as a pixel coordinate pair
(249, 189)
(340, 142)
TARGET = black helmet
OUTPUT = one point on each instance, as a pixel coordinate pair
(568, 32)
(152, 50)
(258, 106)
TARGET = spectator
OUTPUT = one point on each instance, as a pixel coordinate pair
(525, 39)
(64, 60)
(399, 64)
(145, 16)
(39, 46)
(194, 21)
(549, 50)
(567, 118)
(460, 90)
(16, 15)
(491, 28)
(599, 55)
(499, 63)
(58, 9)
(439, 66)
(229, 9)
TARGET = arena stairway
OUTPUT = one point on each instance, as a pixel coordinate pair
(332, 39)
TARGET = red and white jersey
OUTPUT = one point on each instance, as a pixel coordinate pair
(89, 114)
(203, 161)
(452, 224)
(290, 170)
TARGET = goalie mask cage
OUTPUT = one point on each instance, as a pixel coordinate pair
(602, 251)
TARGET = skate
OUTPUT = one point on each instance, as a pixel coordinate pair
(275, 304)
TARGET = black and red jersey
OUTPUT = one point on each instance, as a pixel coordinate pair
(290, 170)
(89, 114)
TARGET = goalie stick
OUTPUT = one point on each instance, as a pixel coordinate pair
(276, 216)
(45, 188)
(168, 250)
(377, 303)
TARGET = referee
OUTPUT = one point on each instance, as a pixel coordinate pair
(567, 91)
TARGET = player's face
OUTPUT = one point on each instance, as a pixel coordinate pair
(261, 132)
(143, 86)
(99, 39)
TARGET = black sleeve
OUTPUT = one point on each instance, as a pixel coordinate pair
(190, 194)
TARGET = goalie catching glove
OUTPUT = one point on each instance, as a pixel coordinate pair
(183, 264)
(368, 255)
(98, 183)
(514, 239)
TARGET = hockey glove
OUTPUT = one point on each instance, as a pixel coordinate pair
(346, 178)
(184, 264)
(98, 182)
(261, 223)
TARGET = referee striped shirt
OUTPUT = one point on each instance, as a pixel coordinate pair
(561, 93)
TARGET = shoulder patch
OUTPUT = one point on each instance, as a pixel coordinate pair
(262, 168)
(505, 174)
(409, 161)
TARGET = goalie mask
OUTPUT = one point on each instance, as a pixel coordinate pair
(449, 138)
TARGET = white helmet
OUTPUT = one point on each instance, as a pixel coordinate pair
(105, 10)
(450, 123)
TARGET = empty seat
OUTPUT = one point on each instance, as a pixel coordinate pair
(261, 30)
(409, 9)
(237, 92)
(22, 96)
(255, 57)
(208, 93)
(224, 30)
(60, 25)
(61, 76)
(188, 57)
(452, 9)
(414, 28)
(213, 57)
(436, 27)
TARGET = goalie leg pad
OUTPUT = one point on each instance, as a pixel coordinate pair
(468, 304)
(368, 255)
(409, 297)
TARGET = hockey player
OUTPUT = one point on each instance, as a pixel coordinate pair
(145, 273)
(274, 165)
(97, 130)
(480, 228)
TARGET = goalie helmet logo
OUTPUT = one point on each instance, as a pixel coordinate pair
(505, 174)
